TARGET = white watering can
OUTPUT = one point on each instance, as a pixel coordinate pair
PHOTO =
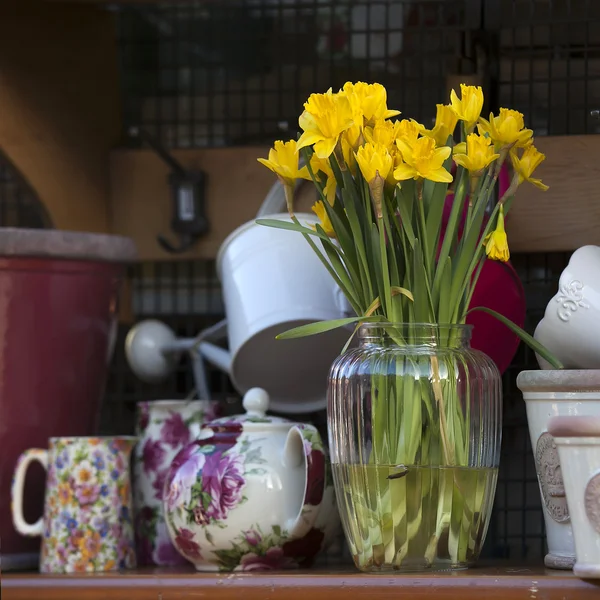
(272, 281)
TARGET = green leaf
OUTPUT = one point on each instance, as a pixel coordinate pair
(277, 530)
(444, 292)
(385, 272)
(374, 261)
(206, 500)
(209, 537)
(468, 255)
(333, 253)
(420, 285)
(327, 265)
(277, 224)
(433, 221)
(322, 327)
(344, 238)
(452, 227)
(359, 240)
(523, 335)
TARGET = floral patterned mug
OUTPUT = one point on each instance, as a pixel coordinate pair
(87, 523)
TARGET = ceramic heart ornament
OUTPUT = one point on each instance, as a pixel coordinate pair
(570, 328)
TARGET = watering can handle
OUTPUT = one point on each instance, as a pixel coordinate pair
(215, 332)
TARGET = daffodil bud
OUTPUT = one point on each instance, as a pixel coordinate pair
(376, 186)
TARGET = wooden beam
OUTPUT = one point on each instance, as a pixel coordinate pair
(563, 218)
(59, 105)
(236, 187)
(567, 216)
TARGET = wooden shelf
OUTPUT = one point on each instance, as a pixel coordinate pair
(491, 583)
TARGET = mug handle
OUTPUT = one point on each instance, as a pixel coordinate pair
(313, 455)
(18, 485)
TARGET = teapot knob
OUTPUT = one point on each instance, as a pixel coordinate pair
(256, 402)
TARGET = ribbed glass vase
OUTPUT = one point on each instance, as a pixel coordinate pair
(415, 424)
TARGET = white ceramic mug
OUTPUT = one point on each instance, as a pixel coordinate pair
(578, 442)
(570, 328)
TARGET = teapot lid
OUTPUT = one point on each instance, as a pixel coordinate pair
(256, 405)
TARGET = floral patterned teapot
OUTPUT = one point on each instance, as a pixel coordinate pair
(247, 494)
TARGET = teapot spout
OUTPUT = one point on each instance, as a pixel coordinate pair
(219, 357)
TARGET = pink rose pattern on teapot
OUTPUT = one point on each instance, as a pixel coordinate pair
(208, 480)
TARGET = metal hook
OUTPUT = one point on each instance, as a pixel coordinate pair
(187, 192)
(186, 242)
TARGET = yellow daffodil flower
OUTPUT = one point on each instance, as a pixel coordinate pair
(319, 209)
(468, 108)
(445, 124)
(460, 148)
(368, 100)
(507, 129)
(373, 160)
(354, 135)
(479, 154)
(496, 243)
(384, 133)
(283, 161)
(408, 130)
(348, 154)
(527, 164)
(324, 118)
(422, 160)
(322, 165)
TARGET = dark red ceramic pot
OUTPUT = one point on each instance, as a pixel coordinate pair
(58, 308)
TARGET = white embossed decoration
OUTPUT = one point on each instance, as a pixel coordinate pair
(551, 479)
(570, 299)
(592, 501)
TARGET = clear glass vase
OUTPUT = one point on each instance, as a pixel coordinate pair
(415, 425)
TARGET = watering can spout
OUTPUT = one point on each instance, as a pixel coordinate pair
(219, 357)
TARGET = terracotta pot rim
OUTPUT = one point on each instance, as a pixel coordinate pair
(564, 380)
(73, 245)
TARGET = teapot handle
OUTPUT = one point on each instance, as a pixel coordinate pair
(304, 444)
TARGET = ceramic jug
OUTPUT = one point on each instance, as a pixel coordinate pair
(163, 428)
(248, 494)
(87, 524)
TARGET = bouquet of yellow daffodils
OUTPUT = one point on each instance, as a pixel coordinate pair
(383, 184)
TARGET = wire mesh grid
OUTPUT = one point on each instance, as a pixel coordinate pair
(237, 72)
(549, 62)
(19, 205)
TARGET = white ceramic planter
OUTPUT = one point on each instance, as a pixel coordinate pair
(550, 394)
(578, 442)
